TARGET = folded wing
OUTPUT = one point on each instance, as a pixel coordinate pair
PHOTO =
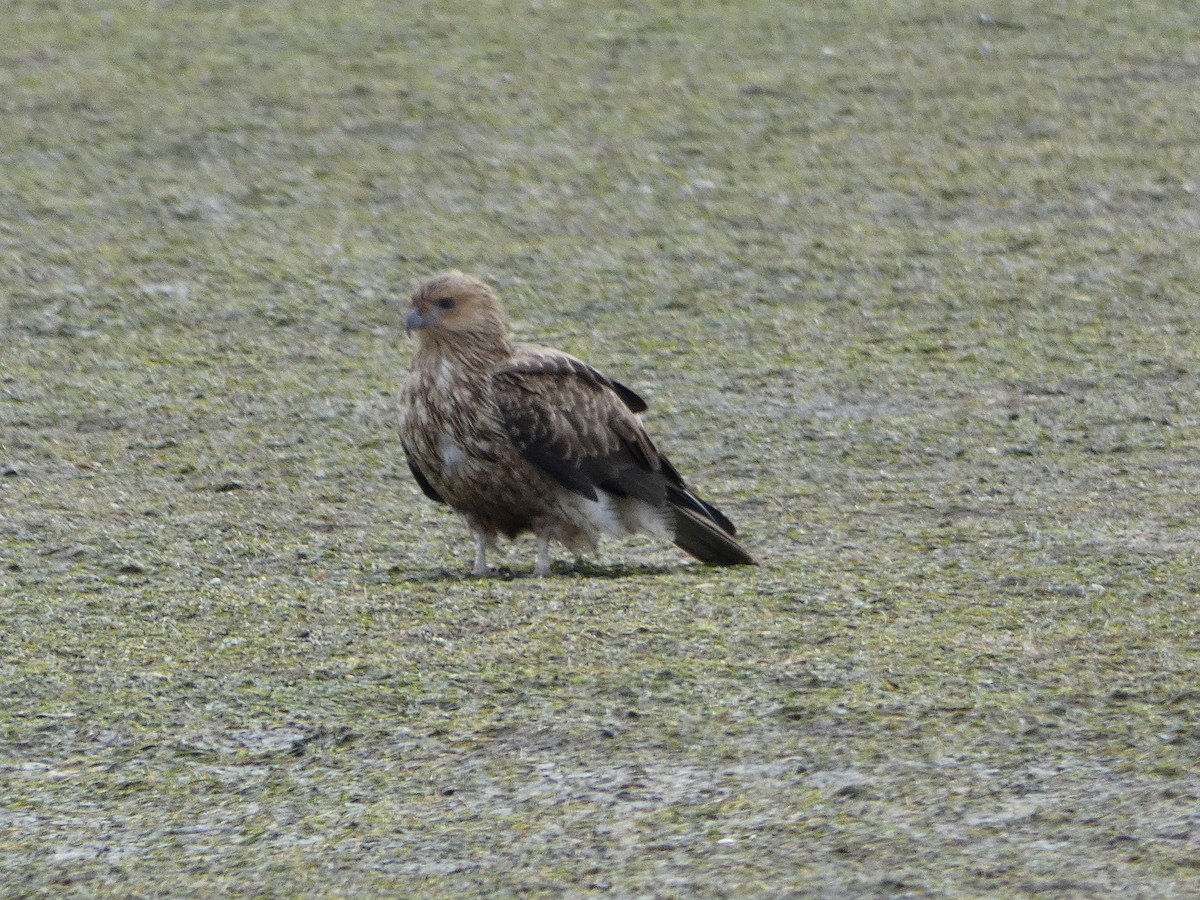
(581, 428)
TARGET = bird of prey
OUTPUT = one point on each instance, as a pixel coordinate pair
(522, 438)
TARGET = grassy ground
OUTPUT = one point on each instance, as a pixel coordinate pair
(911, 290)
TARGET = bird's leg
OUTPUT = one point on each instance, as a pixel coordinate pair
(543, 557)
(480, 568)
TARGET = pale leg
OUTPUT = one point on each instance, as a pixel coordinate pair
(481, 567)
(543, 557)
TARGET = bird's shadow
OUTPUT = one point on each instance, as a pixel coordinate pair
(585, 569)
(564, 570)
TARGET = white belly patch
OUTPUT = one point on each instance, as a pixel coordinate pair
(452, 455)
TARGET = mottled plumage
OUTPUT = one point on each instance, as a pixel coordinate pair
(521, 438)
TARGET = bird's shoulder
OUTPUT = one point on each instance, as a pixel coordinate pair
(534, 368)
(569, 419)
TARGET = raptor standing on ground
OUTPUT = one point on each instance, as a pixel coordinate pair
(520, 438)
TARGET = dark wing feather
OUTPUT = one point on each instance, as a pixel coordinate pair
(422, 481)
(547, 457)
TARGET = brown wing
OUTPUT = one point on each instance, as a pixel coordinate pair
(578, 426)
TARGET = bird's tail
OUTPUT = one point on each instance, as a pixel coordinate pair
(704, 532)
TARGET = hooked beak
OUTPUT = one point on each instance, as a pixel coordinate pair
(417, 320)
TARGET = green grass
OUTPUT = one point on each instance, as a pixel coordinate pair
(911, 293)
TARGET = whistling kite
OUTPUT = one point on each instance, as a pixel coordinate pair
(520, 438)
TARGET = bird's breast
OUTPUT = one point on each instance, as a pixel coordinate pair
(452, 429)
(450, 452)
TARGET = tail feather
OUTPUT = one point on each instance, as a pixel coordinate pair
(705, 537)
(677, 495)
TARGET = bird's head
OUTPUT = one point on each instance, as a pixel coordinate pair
(453, 305)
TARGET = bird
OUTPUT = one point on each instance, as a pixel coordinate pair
(520, 438)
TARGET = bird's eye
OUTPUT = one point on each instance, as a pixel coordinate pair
(446, 303)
